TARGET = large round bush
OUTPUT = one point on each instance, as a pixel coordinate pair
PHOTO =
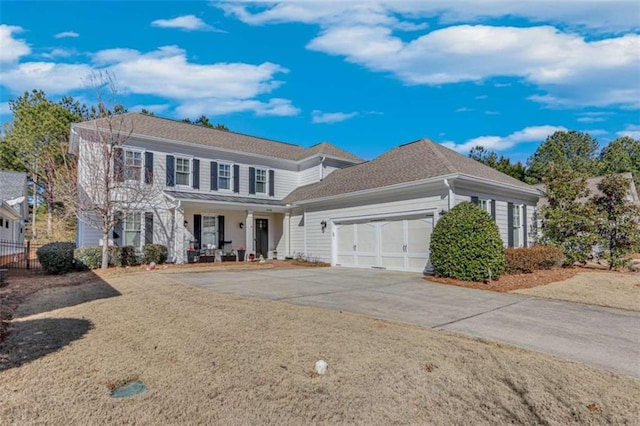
(88, 257)
(466, 245)
(56, 258)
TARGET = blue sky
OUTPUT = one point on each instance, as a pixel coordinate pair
(366, 76)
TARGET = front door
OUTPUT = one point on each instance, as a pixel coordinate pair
(262, 237)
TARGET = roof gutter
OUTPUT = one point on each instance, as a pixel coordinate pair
(474, 179)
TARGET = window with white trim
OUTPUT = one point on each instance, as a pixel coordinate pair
(261, 181)
(224, 176)
(208, 231)
(485, 205)
(183, 171)
(517, 225)
(132, 229)
(132, 167)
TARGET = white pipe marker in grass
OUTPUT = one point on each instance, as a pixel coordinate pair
(321, 366)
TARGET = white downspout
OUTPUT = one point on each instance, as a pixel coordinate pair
(321, 171)
(452, 196)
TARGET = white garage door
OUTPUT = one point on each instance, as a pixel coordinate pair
(399, 244)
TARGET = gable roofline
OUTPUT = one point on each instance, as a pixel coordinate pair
(298, 155)
(452, 178)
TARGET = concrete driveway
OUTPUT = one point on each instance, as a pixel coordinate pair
(602, 337)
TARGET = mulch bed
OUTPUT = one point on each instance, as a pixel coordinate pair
(510, 282)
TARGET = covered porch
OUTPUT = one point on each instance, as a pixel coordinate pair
(211, 227)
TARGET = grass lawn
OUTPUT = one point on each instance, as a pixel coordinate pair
(209, 358)
(610, 289)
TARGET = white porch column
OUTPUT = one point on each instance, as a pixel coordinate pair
(285, 233)
(179, 244)
(251, 244)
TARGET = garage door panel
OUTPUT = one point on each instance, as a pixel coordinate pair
(366, 241)
(419, 235)
(346, 244)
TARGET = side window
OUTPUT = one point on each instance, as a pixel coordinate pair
(132, 165)
(517, 226)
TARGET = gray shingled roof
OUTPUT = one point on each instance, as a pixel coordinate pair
(147, 125)
(414, 161)
(12, 185)
(222, 198)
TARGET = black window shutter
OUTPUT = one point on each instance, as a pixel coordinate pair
(510, 224)
(475, 200)
(148, 167)
(214, 176)
(236, 178)
(272, 183)
(118, 164)
(171, 170)
(220, 232)
(148, 228)
(252, 180)
(197, 228)
(118, 229)
(196, 174)
(493, 209)
(524, 225)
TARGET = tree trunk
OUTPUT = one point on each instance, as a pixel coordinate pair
(49, 219)
(105, 249)
(34, 232)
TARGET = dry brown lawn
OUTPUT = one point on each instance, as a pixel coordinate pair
(208, 358)
(615, 290)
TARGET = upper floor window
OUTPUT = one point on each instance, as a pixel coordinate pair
(261, 181)
(132, 165)
(224, 176)
(183, 171)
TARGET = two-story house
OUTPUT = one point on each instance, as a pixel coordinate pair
(14, 209)
(228, 190)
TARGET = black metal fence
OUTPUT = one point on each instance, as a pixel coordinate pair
(19, 255)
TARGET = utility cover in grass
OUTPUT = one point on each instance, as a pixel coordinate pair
(130, 389)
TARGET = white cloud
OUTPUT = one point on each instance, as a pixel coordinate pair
(497, 143)
(609, 16)
(632, 130)
(59, 53)
(592, 117)
(4, 108)
(11, 49)
(481, 97)
(217, 88)
(560, 64)
(463, 109)
(186, 22)
(67, 34)
(489, 112)
(274, 107)
(331, 117)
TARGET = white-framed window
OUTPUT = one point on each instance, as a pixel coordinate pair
(224, 176)
(132, 229)
(261, 181)
(208, 236)
(183, 171)
(485, 205)
(132, 167)
(517, 225)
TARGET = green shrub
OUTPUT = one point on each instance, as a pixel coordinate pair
(123, 256)
(88, 257)
(528, 259)
(56, 258)
(466, 245)
(154, 253)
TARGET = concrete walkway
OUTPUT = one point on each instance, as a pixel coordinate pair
(602, 337)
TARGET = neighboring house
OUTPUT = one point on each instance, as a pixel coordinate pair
(230, 190)
(14, 210)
